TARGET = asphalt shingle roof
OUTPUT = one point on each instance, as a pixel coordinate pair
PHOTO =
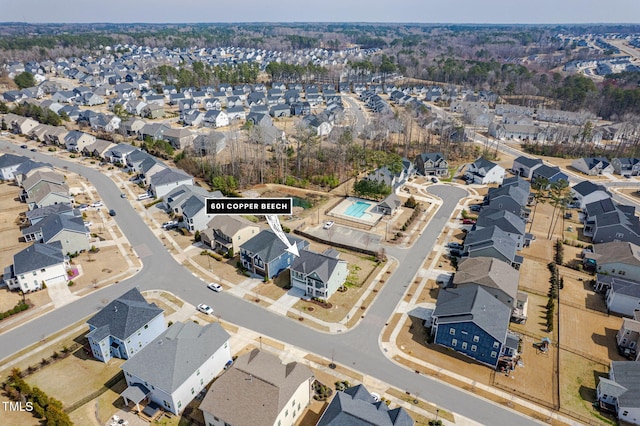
(627, 374)
(310, 262)
(37, 256)
(176, 354)
(268, 246)
(124, 316)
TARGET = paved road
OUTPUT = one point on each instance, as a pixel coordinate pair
(357, 348)
(360, 119)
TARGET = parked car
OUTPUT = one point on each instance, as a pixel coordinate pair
(434, 179)
(123, 195)
(328, 225)
(215, 287)
(97, 204)
(468, 221)
(170, 224)
(475, 207)
(144, 196)
(33, 150)
(112, 212)
(205, 309)
(454, 245)
(455, 253)
(83, 207)
(23, 146)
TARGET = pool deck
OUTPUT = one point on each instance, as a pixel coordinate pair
(370, 217)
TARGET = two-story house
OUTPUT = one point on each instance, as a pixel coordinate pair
(587, 192)
(36, 265)
(124, 326)
(258, 389)
(483, 171)
(626, 166)
(266, 255)
(510, 223)
(618, 258)
(318, 274)
(432, 164)
(226, 233)
(524, 166)
(68, 229)
(592, 166)
(492, 242)
(173, 368)
(620, 393)
(628, 337)
(162, 182)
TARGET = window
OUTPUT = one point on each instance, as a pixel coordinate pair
(146, 326)
(494, 354)
(454, 342)
(464, 345)
(624, 413)
(42, 270)
(452, 331)
(286, 413)
(35, 273)
(198, 372)
(293, 403)
(496, 345)
(298, 406)
(474, 348)
(179, 404)
(192, 391)
(476, 339)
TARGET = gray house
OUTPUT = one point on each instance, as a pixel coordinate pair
(524, 166)
(70, 231)
(492, 242)
(620, 393)
(318, 274)
(124, 326)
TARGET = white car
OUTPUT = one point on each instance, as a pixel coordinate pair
(205, 309)
(97, 204)
(215, 287)
(328, 225)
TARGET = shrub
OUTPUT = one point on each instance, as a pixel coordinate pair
(70, 283)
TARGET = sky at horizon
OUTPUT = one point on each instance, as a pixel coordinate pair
(414, 11)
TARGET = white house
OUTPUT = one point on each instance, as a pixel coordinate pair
(628, 337)
(483, 172)
(618, 258)
(587, 192)
(9, 163)
(318, 274)
(620, 392)
(258, 390)
(36, 265)
(524, 166)
(124, 327)
(176, 365)
(162, 182)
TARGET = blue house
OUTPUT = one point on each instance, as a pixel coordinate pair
(552, 174)
(470, 320)
(266, 255)
(125, 326)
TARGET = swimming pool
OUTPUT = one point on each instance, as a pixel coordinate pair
(357, 209)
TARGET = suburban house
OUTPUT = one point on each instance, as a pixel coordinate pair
(75, 140)
(551, 174)
(318, 274)
(266, 255)
(492, 242)
(510, 223)
(194, 211)
(36, 265)
(258, 389)
(512, 198)
(36, 215)
(628, 166)
(472, 321)
(179, 138)
(226, 233)
(606, 221)
(98, 148)
(524, 166)
(119, 153)
(587, 192)
(483, 172)
(628, 337)
(357, 406)
(623, 295)
(125, 326)
(162, 182)
(9, 163)
(497, 277)
(172, 369)
(28, 169)
(390, 178)
(216, 118)
(617, 258)
(620, 393)
(389, 205)
(69, 230)
(44, 189)
(432, 164)
(592, 166)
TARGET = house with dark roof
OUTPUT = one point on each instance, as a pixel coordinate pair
(162, 182)
(483, 171)
(473, 322)
(592, 166)
(194, 211)
(225, 233)
(617, 258)
(357, 406)
(432, 164)
(266, 255)
(511, 198)
(36, 265)
(551, 174)
(497, 277)
(587, 192)
(622, 296)
(510, 223)
(9, 163)
(628, 337)
(125, 326)
(524, 166)
(492, 242)
(259, 390)
(119, 153)
(389, 205)
(75, 140)
(606, 221)
(626, 166)
(173, 368)
(36, 215)
(620, 393)
(318, 274)
(69, 230)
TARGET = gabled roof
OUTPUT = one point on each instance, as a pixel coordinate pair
(38, 176)
(528, 161)
(587, 187)
(503, 219)
(229, 225)
(515, 192)
(484, 164)
(319, 263)
(268, 246)
(49, 210)
(30, 165)
(620, 285)
(356, 406)
(255, 389)
(488, 272)
(617, 251)
(123, 316)
(168, 176)
(547, 171)
(599, 207)
(491, 236)
(37, 256)
(472, 303)
(172, 357)
(9, 160)
(627, 374)
(38, 192)
(53, 224)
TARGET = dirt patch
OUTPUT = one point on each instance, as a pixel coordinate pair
(99, 268)
(275, 288)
